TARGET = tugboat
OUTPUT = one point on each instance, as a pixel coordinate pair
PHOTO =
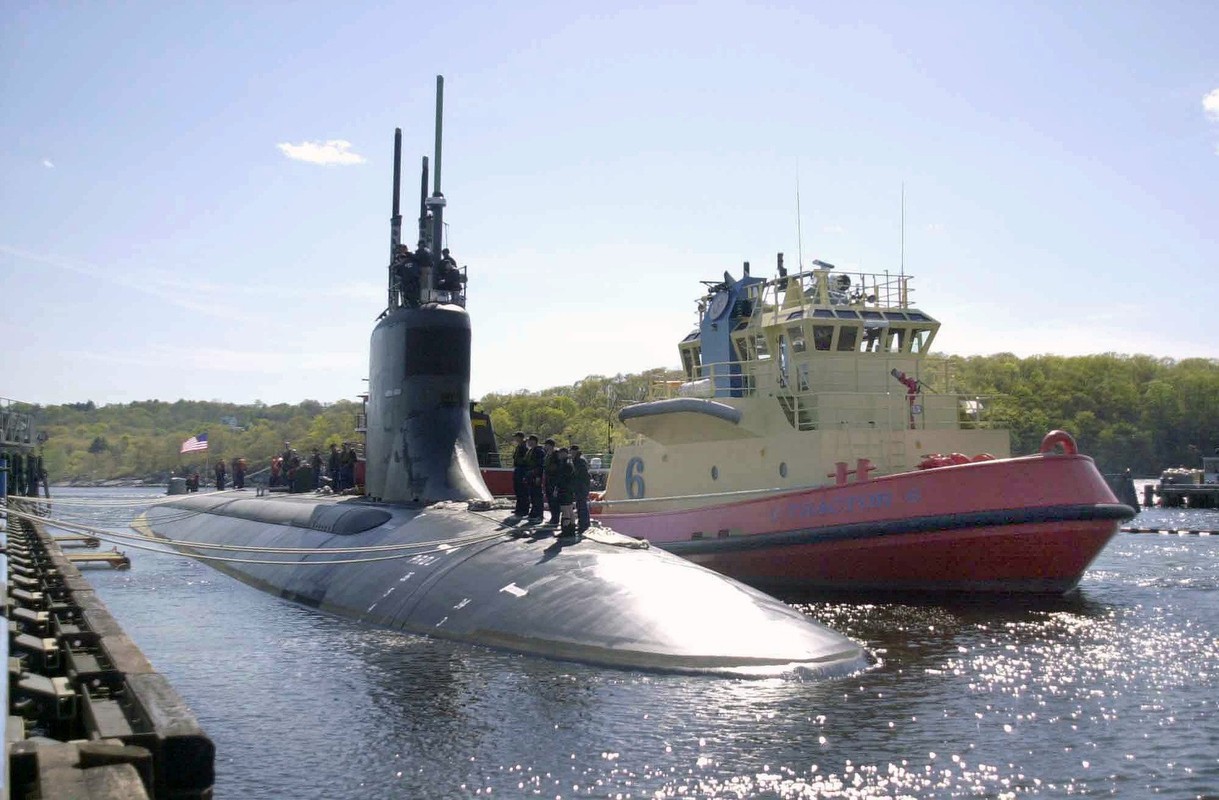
(429, 552)
(804, 453)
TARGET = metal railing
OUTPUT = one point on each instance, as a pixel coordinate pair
(838, 288)
(16, 427)
(855, 401)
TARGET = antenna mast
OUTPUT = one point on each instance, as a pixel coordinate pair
(799, 232)
(395, 220)
(436, 202)
(903, 262)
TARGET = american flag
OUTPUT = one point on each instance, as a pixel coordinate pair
(194, 444)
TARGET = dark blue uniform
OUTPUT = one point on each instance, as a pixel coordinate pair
(552, 485)
(564, 483)
(581, 483)
(520, 485)
(533, 476)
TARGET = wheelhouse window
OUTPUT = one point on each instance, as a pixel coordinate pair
(871, 337)
(848, 338)
(691, 361)
(823, 336)
(760, 348)
(784, 361)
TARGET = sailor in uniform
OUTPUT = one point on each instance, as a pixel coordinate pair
(535, 460)
(520, 486)
(581, 483)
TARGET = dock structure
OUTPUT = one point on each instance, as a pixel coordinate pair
(115, 558)
(1181, 487)
(1184, 495)
(88, 716)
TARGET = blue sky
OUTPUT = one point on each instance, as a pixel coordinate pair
(1060, 162)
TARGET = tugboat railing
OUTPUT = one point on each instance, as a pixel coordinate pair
(853, 403)
(832, 287)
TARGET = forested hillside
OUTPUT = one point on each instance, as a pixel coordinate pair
(1134, 412)
(143, 439)
(1126, 411)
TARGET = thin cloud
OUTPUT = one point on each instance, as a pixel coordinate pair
(215, 359)
(198, 295)
(148, 286)
(935, 227)
(333, 152)
(834, 229)
(1210, 104)
(46, 162)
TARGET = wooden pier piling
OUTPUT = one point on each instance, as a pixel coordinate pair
(88, 716)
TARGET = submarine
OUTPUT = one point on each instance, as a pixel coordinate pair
(427, 551)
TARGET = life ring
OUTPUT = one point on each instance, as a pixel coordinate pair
(1055, 438)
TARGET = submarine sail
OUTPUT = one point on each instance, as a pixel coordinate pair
(427, 551)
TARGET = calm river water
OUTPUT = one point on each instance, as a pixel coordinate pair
(1114, 691)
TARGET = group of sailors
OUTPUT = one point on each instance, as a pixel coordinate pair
(408, 268)
(24, 474)
(340, 468)
(239, 468)
(236, 467)
(558, 476)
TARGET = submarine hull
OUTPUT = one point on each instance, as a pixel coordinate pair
(471, 576)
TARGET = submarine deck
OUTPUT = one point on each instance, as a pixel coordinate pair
(472, 572)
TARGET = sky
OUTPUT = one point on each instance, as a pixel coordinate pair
(195, 198)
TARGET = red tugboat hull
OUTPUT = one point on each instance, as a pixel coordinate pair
(1019, 525)
(498, 480)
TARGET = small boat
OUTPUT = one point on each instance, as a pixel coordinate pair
(806, 451)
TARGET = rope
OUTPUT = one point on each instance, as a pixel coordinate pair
(85, 502)
(184, 514)
(138, 542)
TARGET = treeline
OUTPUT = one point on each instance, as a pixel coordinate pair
(585, 413)
(1134, 412)
(144, 439)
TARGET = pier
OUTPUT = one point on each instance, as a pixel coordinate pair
(87, 715)
(1182, 495)
(1181, 487)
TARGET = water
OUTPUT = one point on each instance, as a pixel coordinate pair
(1112, 692)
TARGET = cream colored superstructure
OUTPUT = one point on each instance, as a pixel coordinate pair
(814, 381)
